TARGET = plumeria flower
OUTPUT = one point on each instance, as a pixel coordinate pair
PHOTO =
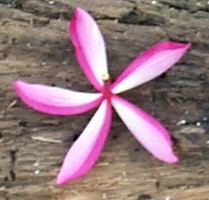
(91, 54)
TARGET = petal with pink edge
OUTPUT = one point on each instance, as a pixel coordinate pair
(55, 100)
(85, 151)
(89, 46)
(149, 65)
(150, 133)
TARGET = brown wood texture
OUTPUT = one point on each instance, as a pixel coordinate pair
(35, 47)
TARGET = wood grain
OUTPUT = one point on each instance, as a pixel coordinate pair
(35, 47)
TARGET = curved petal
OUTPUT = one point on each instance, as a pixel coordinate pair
(89, 46)
(149, 65)
(150, 133)
(85, 151)
(55, 100)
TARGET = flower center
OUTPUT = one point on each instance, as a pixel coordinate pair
(106, 89)
(105, 77)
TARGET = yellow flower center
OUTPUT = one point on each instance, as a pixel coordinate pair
(105, 77)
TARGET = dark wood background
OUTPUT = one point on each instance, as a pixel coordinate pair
(34, 46)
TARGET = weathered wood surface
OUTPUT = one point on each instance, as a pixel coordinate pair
(34, 46)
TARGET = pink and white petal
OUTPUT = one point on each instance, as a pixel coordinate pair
(89, 46)
(85, 151)
(55, 100)
(149, 65)
(149, 132)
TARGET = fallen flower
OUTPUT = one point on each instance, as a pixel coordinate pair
(91, 54)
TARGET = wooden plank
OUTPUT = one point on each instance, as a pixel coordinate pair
(34, 46)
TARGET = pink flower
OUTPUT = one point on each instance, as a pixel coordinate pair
(91, 54)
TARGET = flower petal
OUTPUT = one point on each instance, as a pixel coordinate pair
(150, 133)
(149, 65)
(89, 46)
(85, 151)
(55, 100)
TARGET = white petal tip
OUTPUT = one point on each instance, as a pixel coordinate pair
(59, 182)
(61, 179)
(16, 84)
(171, 159)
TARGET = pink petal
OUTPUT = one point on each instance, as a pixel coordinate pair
(150, 133)
(55, 100)
(89, 46)
(85, 151)
(149, 65)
